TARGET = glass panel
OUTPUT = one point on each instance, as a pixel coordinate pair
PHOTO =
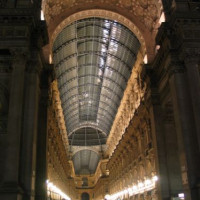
(93, 61)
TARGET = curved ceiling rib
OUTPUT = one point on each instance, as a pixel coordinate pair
(93, 61)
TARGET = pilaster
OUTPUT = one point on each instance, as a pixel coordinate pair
(185, 128)
(192, 60)
(156, 115)
(30, 123)
(11, 189)
(41, 166)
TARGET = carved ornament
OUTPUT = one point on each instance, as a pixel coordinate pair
(147, 11)
(59, 113)
(133, 95)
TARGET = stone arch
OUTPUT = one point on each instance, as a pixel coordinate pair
(93, 149)
(145, 15)
(102, 14)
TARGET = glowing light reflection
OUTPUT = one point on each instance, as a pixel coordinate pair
(141, 187)
(52, 188)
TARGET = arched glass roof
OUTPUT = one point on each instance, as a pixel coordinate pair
(87, 136)
(85, 162)
(93, 61)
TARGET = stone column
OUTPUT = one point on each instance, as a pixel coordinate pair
(192, 60)
(41, 167)
(156, 116)
(28, 154)
(11, 189)
(172, 156)
(186, 133)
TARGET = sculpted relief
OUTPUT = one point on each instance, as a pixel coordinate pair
(147, 11)
(134, 94)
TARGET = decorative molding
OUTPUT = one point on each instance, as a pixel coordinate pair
(17, 32)
(192, 55)
(148, 12)
(130, 102)
(20, 56)
(126, 170)
(59, 113)
(59, 167)
(101, 171)
(98, 149)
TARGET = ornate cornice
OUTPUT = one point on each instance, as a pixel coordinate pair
(59, 114)
(147, 11)
(130, 102)
(98, 149)
(133, 160)
(20, 57)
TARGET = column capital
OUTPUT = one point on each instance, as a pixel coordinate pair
(20, 56)
(34, 64)
(19, 51)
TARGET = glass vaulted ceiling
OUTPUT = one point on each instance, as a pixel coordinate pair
(93, 59)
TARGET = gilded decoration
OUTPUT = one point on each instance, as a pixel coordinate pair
(125, 170)
(130, 102)
(55, 96)
(147, 11)
(59, 168)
